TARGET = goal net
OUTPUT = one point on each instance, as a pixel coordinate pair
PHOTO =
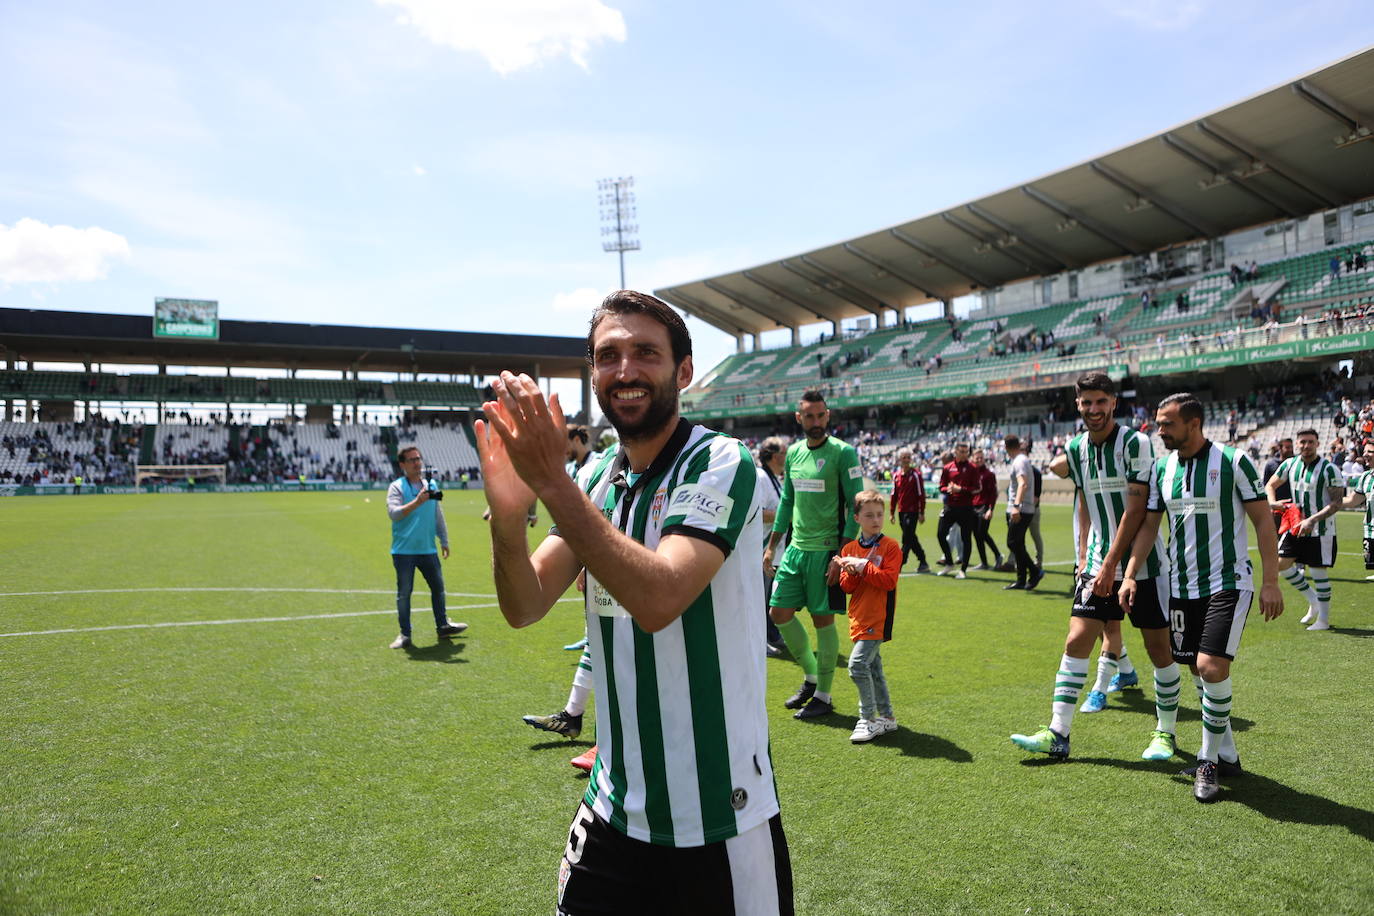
(162, 473)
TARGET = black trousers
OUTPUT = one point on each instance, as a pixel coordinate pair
(910, 542)
(1016, 543)
(964, 517)
(985, 540)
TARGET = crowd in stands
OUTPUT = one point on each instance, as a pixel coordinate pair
(1348, 261)
(45, 453)
(1248, 422)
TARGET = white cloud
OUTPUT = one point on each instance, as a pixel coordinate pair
(514, 34)
(34, 252)
(1159, 15)
(419, 171)
(583, 299)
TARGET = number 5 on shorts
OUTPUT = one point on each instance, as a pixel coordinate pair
(577, 836)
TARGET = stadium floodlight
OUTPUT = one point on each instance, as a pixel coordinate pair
(617, 204)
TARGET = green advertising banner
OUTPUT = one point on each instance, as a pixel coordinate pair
(196, 318)
(1264, 353)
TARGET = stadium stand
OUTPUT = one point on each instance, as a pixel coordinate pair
(446, 448)
(100, 386)
(1210, 312)
(180, 443)
(58, 452)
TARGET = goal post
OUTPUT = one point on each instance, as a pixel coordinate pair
(196, 473)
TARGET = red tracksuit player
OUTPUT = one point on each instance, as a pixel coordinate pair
(960, 482)
(909, 508)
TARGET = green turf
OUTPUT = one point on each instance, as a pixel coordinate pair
(302, 767)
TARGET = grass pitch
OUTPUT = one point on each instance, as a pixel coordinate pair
(179, 748)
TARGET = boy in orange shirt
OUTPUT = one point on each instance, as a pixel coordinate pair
(868, 569)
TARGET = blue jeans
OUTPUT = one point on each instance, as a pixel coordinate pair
(428, 564)
(866, 668)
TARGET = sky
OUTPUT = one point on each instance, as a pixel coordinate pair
(434, 163)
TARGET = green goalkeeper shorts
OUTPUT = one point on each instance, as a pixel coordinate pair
(800, 582)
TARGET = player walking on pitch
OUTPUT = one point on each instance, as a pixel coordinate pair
(1111, 468)
(680, 813)
(820, 482)
(1317, 488)
(1208, 491)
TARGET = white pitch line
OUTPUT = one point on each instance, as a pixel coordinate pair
(311, 591)
(217, 623)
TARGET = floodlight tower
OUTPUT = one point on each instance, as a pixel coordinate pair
(617, 209)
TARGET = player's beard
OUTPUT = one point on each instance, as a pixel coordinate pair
(662, 406)
(815, 434)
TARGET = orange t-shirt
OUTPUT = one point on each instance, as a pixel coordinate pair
(874, 591)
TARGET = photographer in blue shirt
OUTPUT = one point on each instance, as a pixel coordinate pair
(412, 504)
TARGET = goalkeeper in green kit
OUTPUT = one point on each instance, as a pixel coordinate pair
(820, 481)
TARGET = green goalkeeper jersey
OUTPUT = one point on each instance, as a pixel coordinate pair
(818, 489)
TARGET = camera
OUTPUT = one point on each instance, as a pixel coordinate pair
(434, 491)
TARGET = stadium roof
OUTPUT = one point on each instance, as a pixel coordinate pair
(50, 336)
(1287, 152)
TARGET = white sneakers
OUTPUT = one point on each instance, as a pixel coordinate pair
(868, 729)
(400, 642)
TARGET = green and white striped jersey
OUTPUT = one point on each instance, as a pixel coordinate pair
(681, 726)
(1311, 485)
(1102, 474)
(1205, 497)
(1364, 483)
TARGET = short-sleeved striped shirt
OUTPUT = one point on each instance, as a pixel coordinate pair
(1102, 474)
(1205, 497)
(1365, 484)
(682, 730)
(1311, 484)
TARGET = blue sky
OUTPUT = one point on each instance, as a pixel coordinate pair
(434, 164)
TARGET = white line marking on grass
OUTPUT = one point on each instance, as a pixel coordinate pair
(312, 591)
(217, 623)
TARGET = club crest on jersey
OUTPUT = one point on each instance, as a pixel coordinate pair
(738, 799)
(656, 508)
(820, 464)
(1213, 476)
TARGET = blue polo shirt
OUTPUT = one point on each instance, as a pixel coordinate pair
(417, 531)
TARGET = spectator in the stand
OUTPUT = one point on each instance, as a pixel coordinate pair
(1338, 454)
